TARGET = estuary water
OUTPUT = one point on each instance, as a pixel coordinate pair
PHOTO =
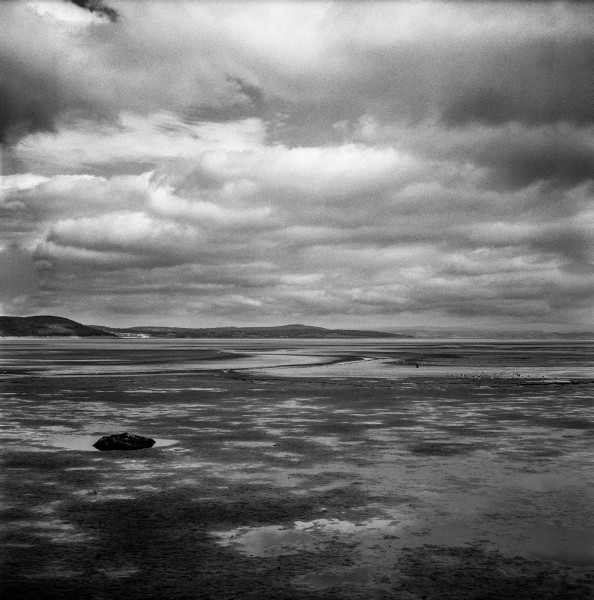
(377, 358)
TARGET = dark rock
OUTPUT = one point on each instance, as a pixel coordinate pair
(123, 441)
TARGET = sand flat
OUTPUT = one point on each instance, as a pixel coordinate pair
(265, 485)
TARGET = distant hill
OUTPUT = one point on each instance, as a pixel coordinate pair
(281, 331)
(47, 326)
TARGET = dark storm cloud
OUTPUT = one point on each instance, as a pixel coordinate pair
(36, 86)
(21, 109)
(557, 164)
(516, 157)
(501, 158)
(538, 81)
(574, 242)
(98, 7)
(30, 99)
(33, 99)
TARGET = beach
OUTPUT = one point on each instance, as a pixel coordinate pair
(298, 469)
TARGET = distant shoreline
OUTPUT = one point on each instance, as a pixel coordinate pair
(51, 326)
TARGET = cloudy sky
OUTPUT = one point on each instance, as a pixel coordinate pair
(339, 163)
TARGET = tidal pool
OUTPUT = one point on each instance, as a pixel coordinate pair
(275, 540)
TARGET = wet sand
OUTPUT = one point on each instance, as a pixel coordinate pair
(475, 483)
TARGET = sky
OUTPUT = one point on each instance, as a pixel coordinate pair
(342, 164)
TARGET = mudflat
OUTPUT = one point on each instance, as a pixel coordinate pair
(298, 470)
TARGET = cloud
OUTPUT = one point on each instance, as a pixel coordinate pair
(480, 63)
(305, 65)
(347, 229)
(144, 142)
(83, 194)
(99, 7)
(41, 78)
(211, 215)
(134, 233)
(505, 157)
(293, 160)
(516, 157)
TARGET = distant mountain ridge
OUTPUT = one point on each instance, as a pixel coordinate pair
(50, 326)
(279, 331)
